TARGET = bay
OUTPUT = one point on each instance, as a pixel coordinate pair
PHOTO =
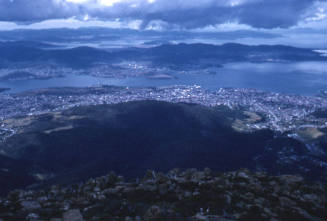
(304, 78)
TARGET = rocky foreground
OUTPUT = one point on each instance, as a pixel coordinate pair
(190, 195)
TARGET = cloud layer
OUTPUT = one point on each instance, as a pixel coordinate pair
(187, 14)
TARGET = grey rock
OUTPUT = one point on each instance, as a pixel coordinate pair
(153, 213)
(187, 194)
(96, 189)
(196, 193)
(30, 205)
(200, 217)
(286, 202)
(73, 215)
(163, 189)
(243, 175)
(310, 197)
(289, 179)
(32, 216)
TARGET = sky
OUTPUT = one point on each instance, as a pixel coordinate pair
(171, 14)
(295, 18)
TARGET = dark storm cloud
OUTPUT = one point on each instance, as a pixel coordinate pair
(259, 14)
(274, 13)
(36, 10)
(182, 13)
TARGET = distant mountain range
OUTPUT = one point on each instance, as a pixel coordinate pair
(131, 138)
(96, 35)
(187, 53)
(168, 54)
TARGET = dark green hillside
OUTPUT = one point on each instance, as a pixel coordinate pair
(131, 138)
(14, 174)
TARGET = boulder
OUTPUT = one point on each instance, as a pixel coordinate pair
(73, 215)
(30, 205)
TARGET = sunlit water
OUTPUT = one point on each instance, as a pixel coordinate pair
(306, 78)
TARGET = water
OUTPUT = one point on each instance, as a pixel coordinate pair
(305, 78)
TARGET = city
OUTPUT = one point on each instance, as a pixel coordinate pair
(280, 112)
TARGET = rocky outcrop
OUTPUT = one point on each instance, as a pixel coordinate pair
(188, 195)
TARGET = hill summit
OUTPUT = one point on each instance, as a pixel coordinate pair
(178, 195)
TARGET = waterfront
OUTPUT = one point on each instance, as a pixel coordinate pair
(303, 78)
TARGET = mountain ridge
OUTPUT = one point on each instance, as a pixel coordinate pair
(129, 138)
(171, 53)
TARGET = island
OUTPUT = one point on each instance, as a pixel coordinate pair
(4, 89)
